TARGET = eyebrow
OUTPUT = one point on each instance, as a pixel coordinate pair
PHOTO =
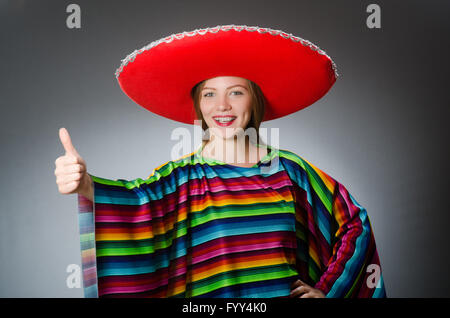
(227, 88)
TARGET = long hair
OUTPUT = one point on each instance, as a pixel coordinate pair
(258, 106)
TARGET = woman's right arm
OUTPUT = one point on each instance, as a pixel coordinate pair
(71, 172)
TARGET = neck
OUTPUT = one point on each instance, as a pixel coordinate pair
(235, 150)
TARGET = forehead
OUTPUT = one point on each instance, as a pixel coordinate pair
(226, 81)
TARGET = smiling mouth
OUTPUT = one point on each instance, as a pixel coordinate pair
(224, 121)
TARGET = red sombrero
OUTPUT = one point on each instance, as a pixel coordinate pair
(292, 72)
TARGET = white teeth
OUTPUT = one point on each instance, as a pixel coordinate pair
(225, 119)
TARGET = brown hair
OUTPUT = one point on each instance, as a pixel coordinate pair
(258, 105)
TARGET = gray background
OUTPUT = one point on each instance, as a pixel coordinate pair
(381, 130)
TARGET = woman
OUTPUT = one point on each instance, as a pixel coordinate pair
(214, 223)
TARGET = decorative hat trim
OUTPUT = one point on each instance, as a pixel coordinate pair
(178, 36)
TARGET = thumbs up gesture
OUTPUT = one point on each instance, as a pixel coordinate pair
(71, 173)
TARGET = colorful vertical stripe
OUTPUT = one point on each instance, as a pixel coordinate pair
(87, 244)
(197, 227)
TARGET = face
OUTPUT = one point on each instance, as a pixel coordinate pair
(225, 104)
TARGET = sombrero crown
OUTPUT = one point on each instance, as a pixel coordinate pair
(292, 73)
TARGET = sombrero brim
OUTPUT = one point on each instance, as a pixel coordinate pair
(292, 72)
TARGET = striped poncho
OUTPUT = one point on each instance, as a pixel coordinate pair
(198, 227)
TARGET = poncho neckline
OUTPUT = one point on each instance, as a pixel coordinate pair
(212, 161)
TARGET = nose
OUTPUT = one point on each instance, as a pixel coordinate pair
(223, 103)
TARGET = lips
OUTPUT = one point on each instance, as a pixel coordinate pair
(224, 121)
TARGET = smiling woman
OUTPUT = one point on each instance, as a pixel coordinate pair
(202, 225)
(227, 106)
(250, 88)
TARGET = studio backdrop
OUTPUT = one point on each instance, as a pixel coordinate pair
(381, 130)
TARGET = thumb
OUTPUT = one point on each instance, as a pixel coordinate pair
(67, 142)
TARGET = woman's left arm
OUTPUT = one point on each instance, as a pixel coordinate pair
(354, 268)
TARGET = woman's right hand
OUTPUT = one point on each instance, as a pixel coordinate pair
(71, 173)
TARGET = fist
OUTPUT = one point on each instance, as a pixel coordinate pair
(71, 174)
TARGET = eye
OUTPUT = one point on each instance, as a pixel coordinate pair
(206, 95)
(239, 92)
